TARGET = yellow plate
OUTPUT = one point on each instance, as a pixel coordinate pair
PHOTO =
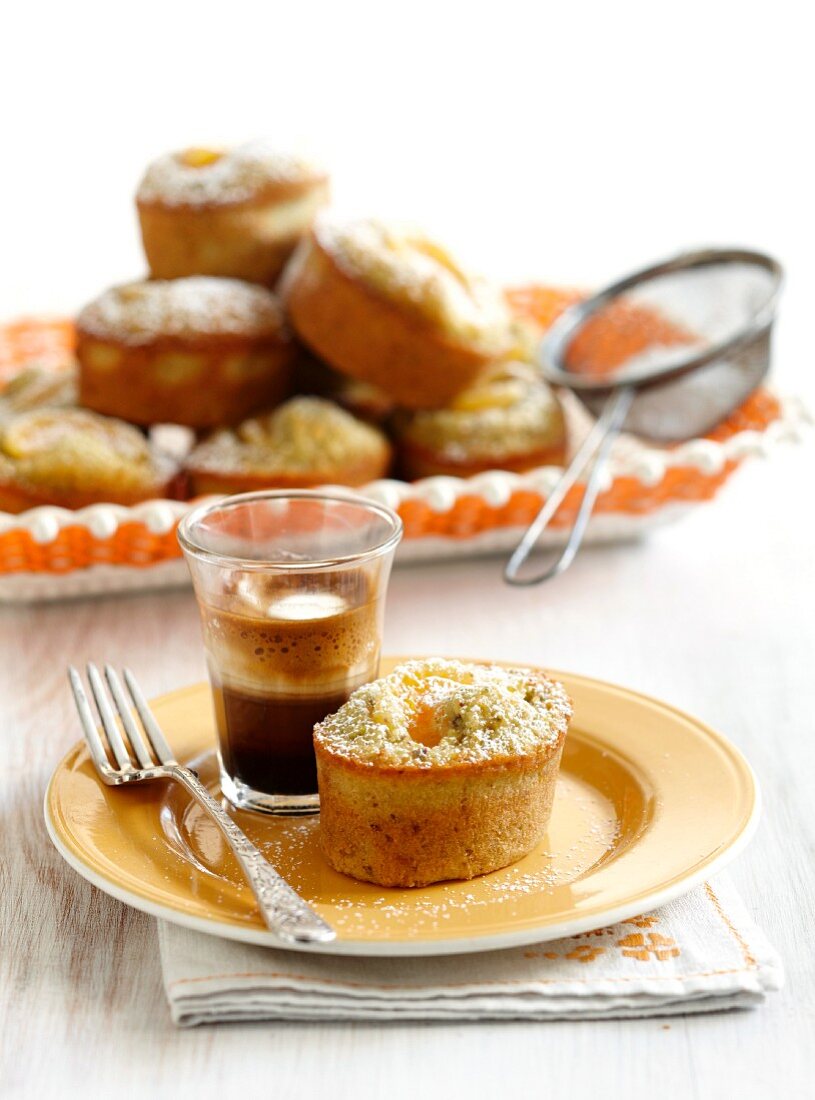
(648, 803)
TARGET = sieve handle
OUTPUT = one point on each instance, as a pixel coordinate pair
(594, 449)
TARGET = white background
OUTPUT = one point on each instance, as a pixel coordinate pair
(569, 141)
(566, 142)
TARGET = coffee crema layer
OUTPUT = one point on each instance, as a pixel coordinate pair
(306, 644)
(283, 655)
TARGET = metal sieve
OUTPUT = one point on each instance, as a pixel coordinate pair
(704, 349)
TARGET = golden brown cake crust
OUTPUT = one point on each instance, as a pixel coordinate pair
(215, 240)
(237, 213)
(414, 828)
(72, 458)
(18, 498)
(368, 336)
(200, 352)
(510, 420)
(399, 814)
(228, 380)
(306, 442)
(417, 462)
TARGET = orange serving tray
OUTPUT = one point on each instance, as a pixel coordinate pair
(460, 510)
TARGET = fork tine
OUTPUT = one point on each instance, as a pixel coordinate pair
(134, 734)
(94, 741)
(115, 738)
(151, 726)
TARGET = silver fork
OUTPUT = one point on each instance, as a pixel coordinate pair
(284, 911)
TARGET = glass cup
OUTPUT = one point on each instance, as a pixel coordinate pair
(291, 589)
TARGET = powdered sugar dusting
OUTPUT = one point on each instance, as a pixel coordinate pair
(305, 435)
(76, 450)
(191, 177)
(403, 264)
(473, 713)
(139, 313)
(512, 411)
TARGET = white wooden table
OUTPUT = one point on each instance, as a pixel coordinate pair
(547, 140)
(716, 615)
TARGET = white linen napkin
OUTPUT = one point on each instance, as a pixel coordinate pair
(701, 953)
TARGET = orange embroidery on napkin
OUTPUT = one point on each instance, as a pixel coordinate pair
(643, 922)
(642, 946)
(585, 952)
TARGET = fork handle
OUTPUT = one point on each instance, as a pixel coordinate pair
(283, 910)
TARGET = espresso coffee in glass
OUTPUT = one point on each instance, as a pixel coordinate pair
(291, 590)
